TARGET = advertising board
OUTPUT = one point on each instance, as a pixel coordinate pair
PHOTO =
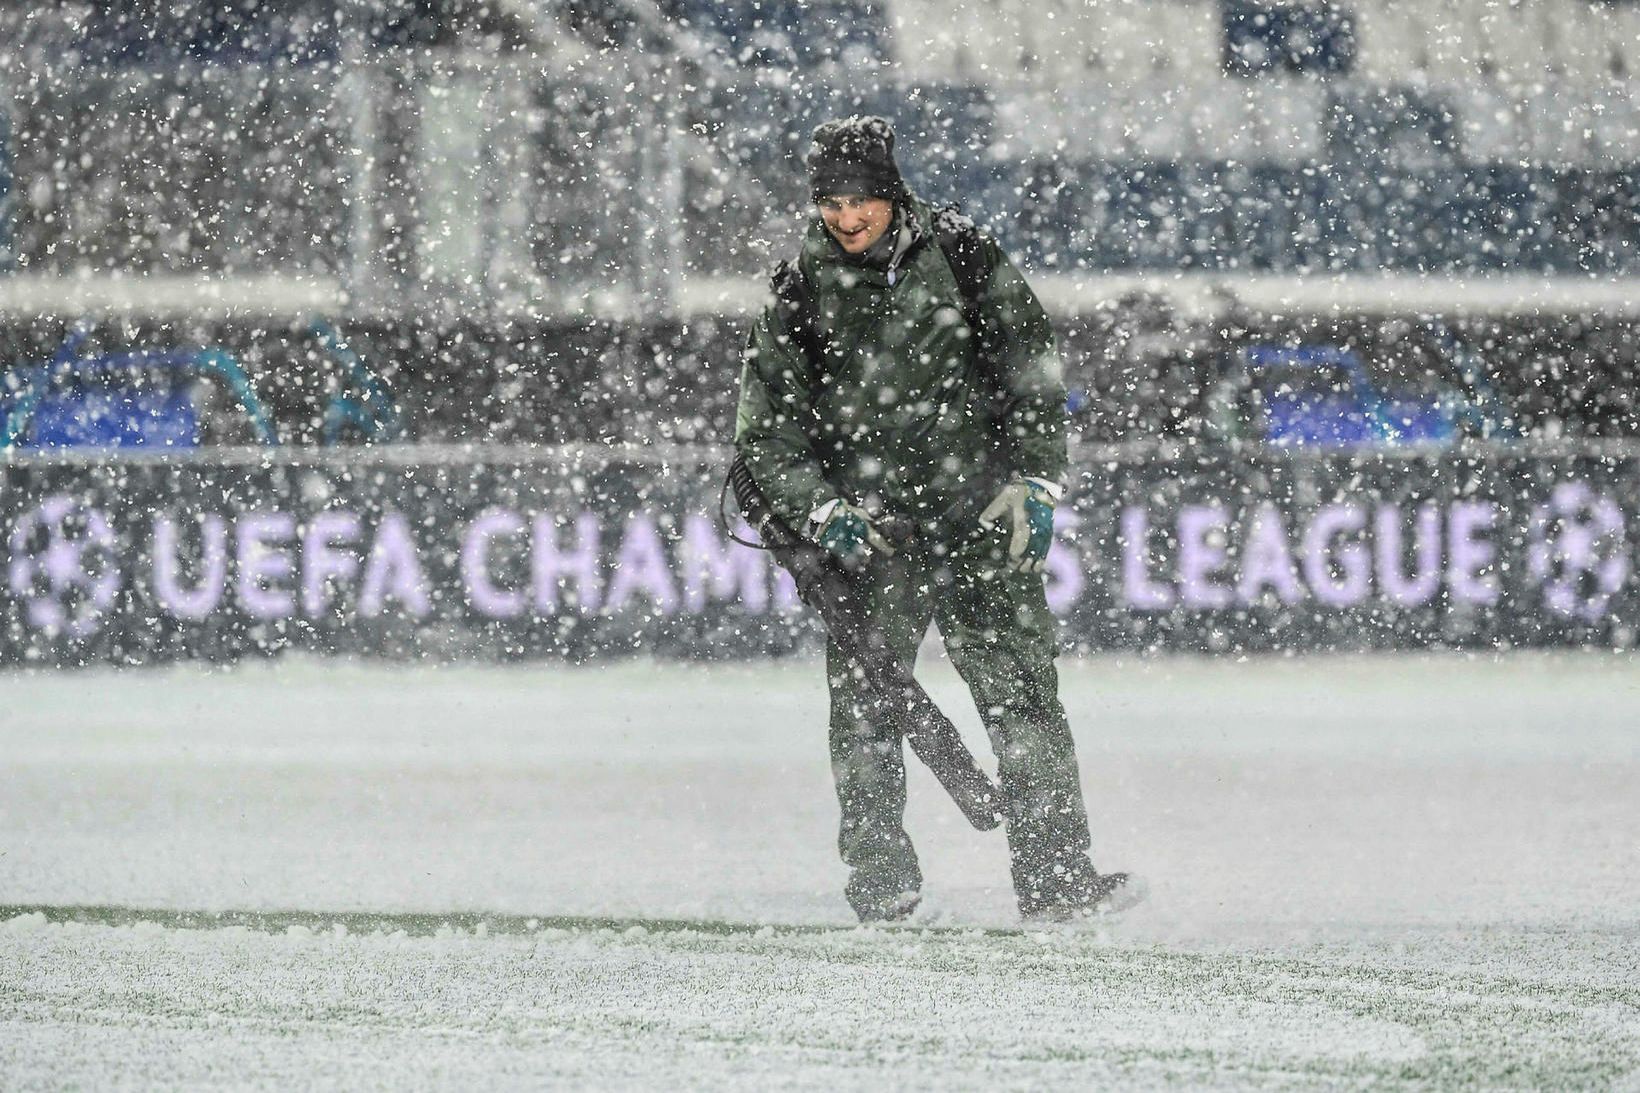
(586, 552)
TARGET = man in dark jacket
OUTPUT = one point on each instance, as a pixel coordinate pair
(907, 410)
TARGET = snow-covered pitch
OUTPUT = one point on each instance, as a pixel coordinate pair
(1372, 871)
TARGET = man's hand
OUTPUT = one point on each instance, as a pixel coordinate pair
(1028, 503)
(847, 531)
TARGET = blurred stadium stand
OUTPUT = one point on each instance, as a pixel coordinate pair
(454, 169)
(1104, 135)
(787, 33)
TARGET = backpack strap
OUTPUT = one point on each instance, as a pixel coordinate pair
(799, 313)
(963, 245)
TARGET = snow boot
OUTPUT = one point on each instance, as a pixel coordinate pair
(897, 909)
(1102, 895)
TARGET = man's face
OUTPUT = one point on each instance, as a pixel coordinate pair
(856, 221)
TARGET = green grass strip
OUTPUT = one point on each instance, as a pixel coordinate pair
(427, 924)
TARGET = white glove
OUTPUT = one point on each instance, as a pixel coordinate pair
(1028, 504)
(847, 531)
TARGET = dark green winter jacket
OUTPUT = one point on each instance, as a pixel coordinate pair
(911, 412)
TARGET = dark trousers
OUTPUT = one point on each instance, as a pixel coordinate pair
(1001, 639)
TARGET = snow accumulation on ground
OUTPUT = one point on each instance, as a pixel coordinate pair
(1365, 871)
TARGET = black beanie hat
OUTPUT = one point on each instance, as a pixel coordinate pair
(854, 156)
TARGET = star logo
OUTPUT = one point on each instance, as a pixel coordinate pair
(64, 567)
(1578, 551)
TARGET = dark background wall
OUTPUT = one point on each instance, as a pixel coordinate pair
(1143, 372)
